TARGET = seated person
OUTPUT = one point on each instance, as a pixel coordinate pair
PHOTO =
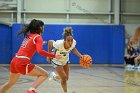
(129, 58)
(137, 58)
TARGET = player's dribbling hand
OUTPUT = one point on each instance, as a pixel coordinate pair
(44, 42)
(58, 56)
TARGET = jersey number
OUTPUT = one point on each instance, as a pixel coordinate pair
(25, 42)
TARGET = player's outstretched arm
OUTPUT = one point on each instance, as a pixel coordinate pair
(50, 45)
(76, 52)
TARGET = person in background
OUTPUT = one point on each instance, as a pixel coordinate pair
(134, 40)
(129, 57)
(130, 52)
(137, 58)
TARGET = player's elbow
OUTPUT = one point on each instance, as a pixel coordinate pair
(50, 42)
(39, 51)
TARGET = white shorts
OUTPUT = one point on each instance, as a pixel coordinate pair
(56, 64)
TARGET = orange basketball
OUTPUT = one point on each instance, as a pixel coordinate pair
(85, 61)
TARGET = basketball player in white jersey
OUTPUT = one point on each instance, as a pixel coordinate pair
(63, 47)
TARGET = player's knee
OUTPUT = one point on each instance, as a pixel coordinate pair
(10, 83)
(64, 78)
(135, 59)
(67, 78)
(46, 75)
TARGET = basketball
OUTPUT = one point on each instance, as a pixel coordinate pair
(86, 61)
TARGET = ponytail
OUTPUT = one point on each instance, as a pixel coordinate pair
(33, 27)
(67, 32)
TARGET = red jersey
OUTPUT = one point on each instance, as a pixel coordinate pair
(31, 45)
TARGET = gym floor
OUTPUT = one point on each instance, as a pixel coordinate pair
(96, 79)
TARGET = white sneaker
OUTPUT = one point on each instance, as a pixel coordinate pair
(137, 67)
(130, 67)
(52, 77)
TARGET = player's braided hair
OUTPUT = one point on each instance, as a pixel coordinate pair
(67, 32)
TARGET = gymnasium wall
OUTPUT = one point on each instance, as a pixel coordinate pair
(105, 43)
(5, 44)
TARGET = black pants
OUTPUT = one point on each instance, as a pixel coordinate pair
(129, 60)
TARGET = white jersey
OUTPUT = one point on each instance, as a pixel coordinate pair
(59, 49)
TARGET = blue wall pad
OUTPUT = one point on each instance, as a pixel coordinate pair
(5, 44)
(105, 43)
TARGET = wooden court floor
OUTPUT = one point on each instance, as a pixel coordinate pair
(96, 79)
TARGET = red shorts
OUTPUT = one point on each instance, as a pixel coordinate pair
(21, 65)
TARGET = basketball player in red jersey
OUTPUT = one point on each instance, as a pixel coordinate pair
(21, 64)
